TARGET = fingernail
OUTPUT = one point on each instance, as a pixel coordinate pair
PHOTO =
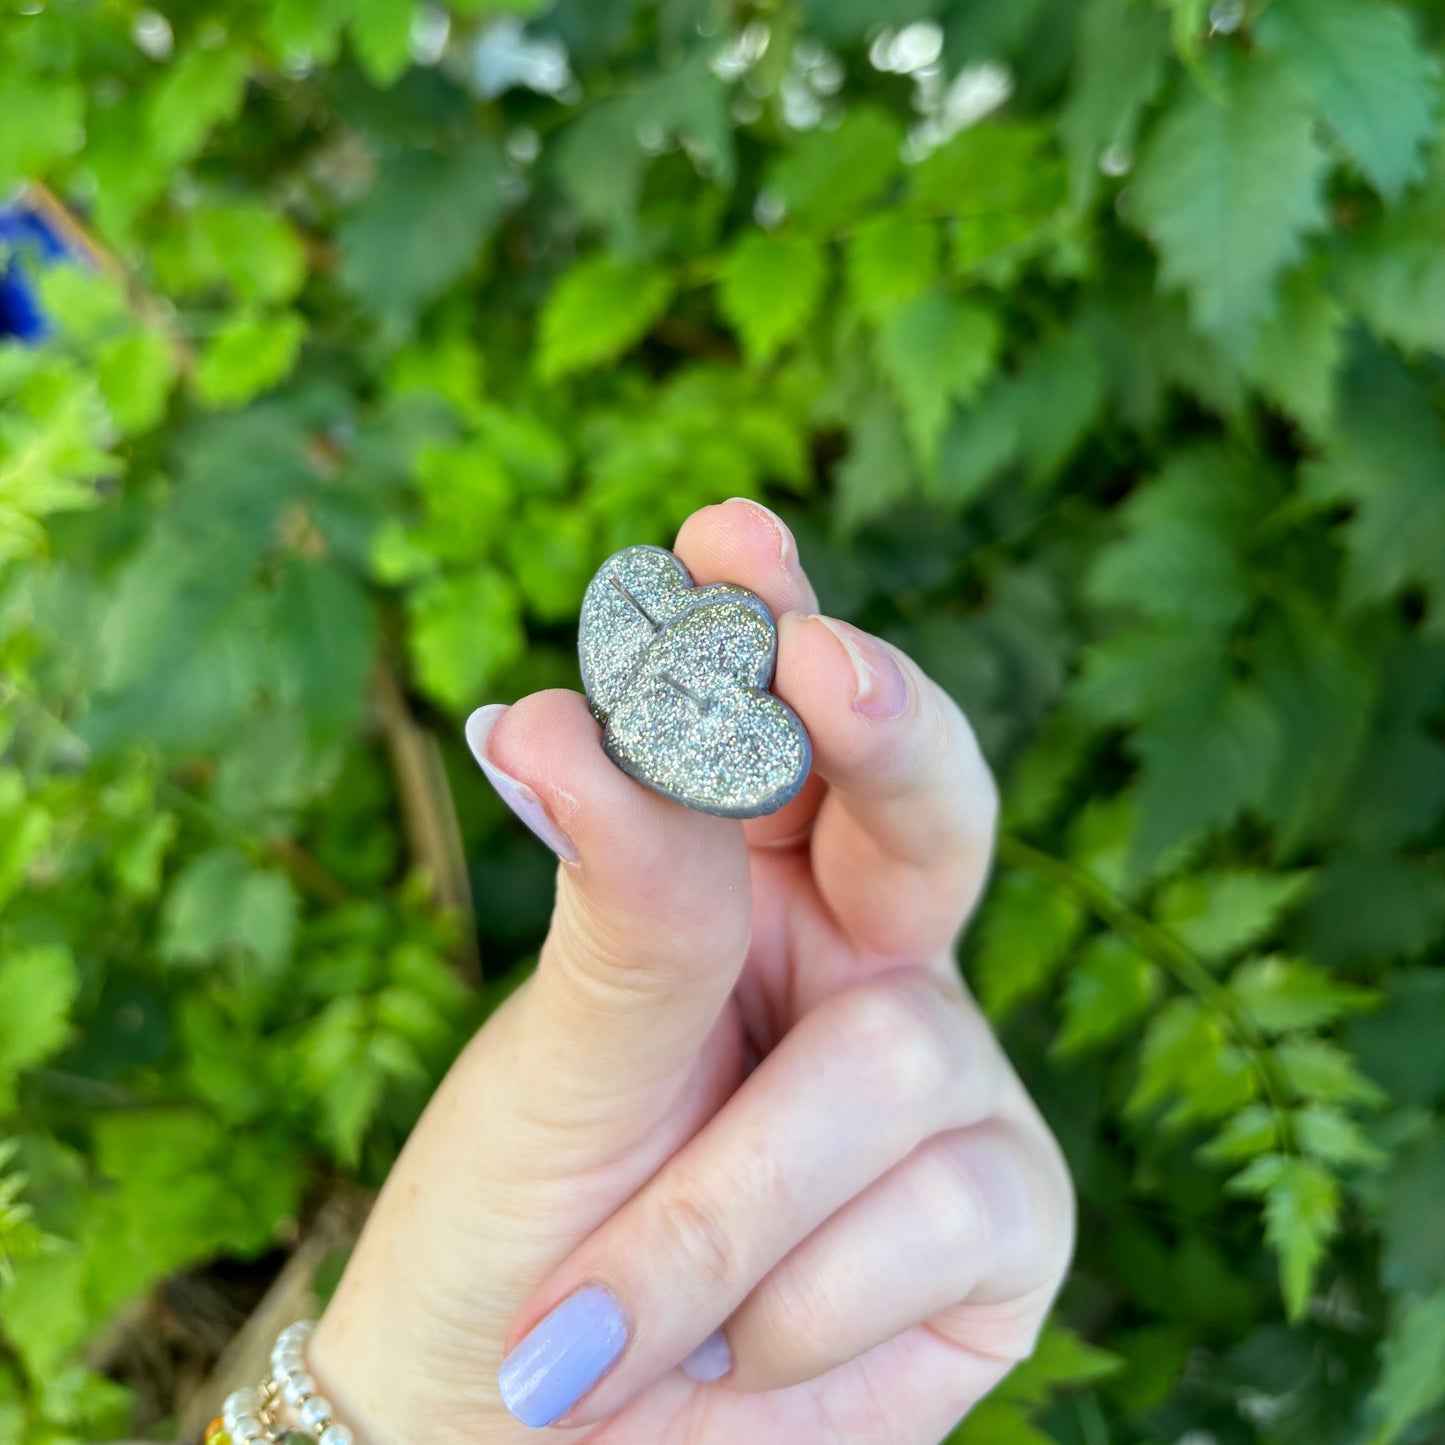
(787, 547)
(882, 690)
(565, 1354)
(517, 796)
(710, 1361)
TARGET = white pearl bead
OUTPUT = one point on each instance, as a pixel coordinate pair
(286, 1362)
(247, 1427)
(336, 1435)
(297, 1389)
(315, 1413)
(238, 1403)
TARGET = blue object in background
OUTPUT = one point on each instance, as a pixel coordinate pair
(28, 228)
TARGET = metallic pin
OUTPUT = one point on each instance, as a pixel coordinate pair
(678, 676)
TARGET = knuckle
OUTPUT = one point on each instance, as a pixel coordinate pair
(896, 1036)
(690, 1228)
(948, 1198)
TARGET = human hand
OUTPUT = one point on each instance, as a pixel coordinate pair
(853, 1240)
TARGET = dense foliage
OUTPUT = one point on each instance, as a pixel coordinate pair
(1094, 347)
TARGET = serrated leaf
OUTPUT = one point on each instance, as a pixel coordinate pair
(1221, 913)
(1119, 65)
(1412, 1380)
(37, 988)
(1301, 1215)
(1182, 552)
(1371, 80)
(1296, 357)
(1334, 1138)
(465, 630)
(601, 159)
(1024, 937)
(829, 176)
(423, 224)
(936, 351)
(1188, 1063)
(601, 308)
(1281, 994)
(1321, 1072)
(250, 354)
(1393, 269)
(1060, 396)
(221, 904)
(1107, 991)
(1229, 185)
(1386, 459)
(890, 259)
(1253, 1131)
(769, 288)
(245, 245)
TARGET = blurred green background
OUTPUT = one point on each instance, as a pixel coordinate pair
(1094, 350)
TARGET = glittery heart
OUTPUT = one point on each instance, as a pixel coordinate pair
(678, 676)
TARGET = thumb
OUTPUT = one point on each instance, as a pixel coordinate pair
(651, 924)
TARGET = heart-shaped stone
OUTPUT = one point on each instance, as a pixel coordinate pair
(678, 677)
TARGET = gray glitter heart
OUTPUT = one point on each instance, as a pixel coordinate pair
(678, 676)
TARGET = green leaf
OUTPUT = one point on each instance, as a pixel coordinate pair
(201, 89)
(1229, 185)
(381, 37)
(1188, 1062)
(600, 157)
(829, 176)
(1221, 913)
(1024, 938)
(601, 308)
(1332, 1137)
(1386, 459)
(245, 245)
(136, 373)
(1370, 79)
(250, 354)
(1301, 1216)
(879, 470)
(1123, 47)
(890, 259)
(1393, 269)
(220, 904)
(424, 223)
(1108, 991)
(1297, 355)
(1281, 994)
(1059, 401)
(464, 631)
(37, 988)
(769, 288)
(41, 122)
(936, 350)
(1206, 756)
(1322, 1072)
(1412, 1380)
(1182, 552)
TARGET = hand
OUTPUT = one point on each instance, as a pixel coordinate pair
(853, 1240)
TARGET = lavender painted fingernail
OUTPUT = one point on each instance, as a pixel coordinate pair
(710, 1361)
(517, 796)
(563, 1356)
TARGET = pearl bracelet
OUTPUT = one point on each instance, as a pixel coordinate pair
(259, 1415)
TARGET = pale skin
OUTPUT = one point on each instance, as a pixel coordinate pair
(746, 1089)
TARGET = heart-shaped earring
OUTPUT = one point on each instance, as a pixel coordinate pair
(678, 676)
